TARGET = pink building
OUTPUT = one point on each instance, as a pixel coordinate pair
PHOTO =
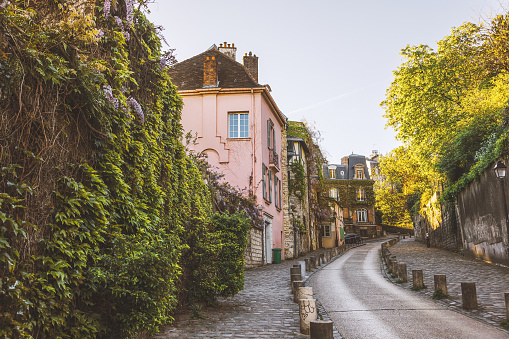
(239, 127)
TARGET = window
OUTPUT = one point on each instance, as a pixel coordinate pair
(333, 193)
(332, 173)
(238, 125)
(326, 231)
(360, 194)
(271, 135)
(362, 215)
(359, 173)
(264, 185)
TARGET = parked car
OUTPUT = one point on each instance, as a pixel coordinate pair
(352, 238)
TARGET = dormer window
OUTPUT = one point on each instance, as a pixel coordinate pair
(332, 172)
(359, 173)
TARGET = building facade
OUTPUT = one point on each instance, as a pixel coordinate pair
(236, 123)
(350, 184)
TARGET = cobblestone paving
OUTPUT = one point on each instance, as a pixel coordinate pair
(491, 280)
(265, 309)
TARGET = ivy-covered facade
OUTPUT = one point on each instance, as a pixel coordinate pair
(350, 184)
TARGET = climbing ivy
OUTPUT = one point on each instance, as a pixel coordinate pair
(297, 182)
(347, 192)
(97, 195)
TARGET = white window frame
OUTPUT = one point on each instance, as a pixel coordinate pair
(362, 215)
(333, 193)
(327, 233)
(361, 194)
(361, 171)
(236, 124)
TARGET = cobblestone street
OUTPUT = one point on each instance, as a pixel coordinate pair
(265, 309)
(491, 281)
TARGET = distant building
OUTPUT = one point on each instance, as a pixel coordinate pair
(238, 125)
(350, 184)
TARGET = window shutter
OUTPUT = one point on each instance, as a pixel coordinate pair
(268, 134)
(273, 138)
(270, 185)
(263, 182)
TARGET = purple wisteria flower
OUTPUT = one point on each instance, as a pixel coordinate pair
(119, 22)
(129, 13)
(100, 34)
(137, 108)
(106, 8)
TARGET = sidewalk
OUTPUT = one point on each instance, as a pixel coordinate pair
(491, 281)
(264, 309)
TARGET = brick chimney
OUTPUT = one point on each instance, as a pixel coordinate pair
(344, 161)
(251, 63)
(228, 49)
(210, 72)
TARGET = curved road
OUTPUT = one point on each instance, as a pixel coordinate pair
(363, 304)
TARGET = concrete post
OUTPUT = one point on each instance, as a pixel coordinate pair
(308, 313)
(394, 267)
(418, 279)
(308, 264)
(295, 270)
(320, 329)
(506, 296)
(302, 268)
(312, 262)
(295, 277)
(295, 287)
(322, 258)
(469, 296)
(402, 272)
(303, 293)
(441, 283)
(317, 260)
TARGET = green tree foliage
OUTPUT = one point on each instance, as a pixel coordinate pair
(98, 199)
(448, 108)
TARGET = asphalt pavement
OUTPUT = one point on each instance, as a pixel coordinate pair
(363, 304)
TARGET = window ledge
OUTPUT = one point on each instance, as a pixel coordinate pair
(238, 139)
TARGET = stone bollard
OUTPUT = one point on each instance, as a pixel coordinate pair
(322, 258)
(308, 313)
(308, 264)
(303, 292)
(295, 277)
(418, 279)
(295, 270)
(394, 266)
(441, 283)
(506, 296)
(312, 261)
(302, 268)
(402, 272)
(295, 288)
(317, 261)
(320, 329)
(469, 296)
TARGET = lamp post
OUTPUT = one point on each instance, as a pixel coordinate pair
(500, 171)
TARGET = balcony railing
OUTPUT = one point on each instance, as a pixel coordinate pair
(348, 221)
(273, 159)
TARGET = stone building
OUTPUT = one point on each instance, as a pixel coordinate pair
(240, 129)
(350, 184)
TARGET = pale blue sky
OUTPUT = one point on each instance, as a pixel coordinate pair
(329, 62)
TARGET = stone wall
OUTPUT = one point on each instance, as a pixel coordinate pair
(253, 256)
(476, 224)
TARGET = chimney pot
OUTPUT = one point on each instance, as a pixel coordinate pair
(220, 45)
(233, 45)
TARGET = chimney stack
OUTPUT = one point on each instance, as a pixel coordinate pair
(210, 72)
(344, 161)
(228, 49)
(251, 63)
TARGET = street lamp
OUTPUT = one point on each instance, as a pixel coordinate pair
(500, 171)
